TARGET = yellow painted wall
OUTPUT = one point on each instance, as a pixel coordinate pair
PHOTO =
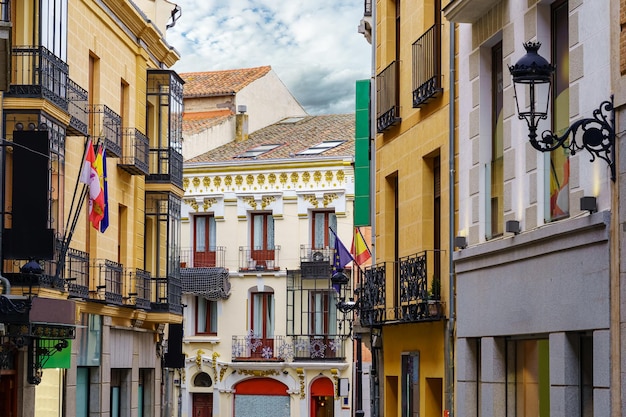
(48, 396)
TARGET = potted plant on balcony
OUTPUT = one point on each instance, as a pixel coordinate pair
(434, 298)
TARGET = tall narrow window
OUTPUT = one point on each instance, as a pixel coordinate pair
(410, 384)
(263, 315)
(321, 222)
(204, 241)
(497, 148)
(323, 313)
(262, 238)
(206, 316)
(559, 158)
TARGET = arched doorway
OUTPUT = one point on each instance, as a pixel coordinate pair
(262, 397)
(202, 402)
(322, 398)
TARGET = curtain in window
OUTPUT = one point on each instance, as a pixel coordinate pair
(258, 232)
(319, 239)
(211, 233)
(270, 231)
(269, 319)
(201, 314)
(200, 234)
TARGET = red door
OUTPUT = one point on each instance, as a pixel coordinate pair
(202, 405)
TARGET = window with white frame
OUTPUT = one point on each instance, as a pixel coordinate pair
(206, 316)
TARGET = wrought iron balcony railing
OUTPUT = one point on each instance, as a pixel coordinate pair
(108, 279)
(165, 166)
(77, 273)
(134, 159)
(107, 126)
(400, 291)
(316, 262)
(387, 97)
(427, 66)
(214, 257)
(78, 99)
(38, 73)
(257, 348)
(259, 259)
(167, 295)
(139, 288)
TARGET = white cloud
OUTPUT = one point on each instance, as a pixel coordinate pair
(313, 46)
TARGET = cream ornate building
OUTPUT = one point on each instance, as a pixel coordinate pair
(261, 328)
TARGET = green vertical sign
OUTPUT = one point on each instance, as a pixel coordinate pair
(362, 198)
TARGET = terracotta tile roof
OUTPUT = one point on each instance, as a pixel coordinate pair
(218, 83)
(196, 122)
(293, 138)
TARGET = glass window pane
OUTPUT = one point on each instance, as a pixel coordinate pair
(200, 233)
(201, 314)
(212, 233)
(213, 316)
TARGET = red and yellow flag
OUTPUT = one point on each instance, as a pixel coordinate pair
(92, 175)
(359, 247)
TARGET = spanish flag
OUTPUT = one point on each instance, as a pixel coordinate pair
(359, 247)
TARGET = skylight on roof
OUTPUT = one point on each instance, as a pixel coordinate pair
(291, 120)
(259, 150)
(321, 147)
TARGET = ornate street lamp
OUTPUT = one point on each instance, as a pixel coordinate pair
(597, 134)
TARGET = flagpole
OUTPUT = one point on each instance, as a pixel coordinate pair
(69, 230)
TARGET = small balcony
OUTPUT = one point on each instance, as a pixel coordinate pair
(165, 166)
(427, 67)
(38, 73)
(107, 125)
(108, 280)
(139, 289)
(78, 108)
(387, 98)
(259, 259)
(319, 347)
(415, 299)
(258, 349)
(77, 273)
(134, 159)
(213, 257)
(316, 262)
(166, 295)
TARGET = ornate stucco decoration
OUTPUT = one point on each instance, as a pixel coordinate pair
(199, 354)
(191, 202)
(264, 202)
(324, 200)
(258, 372)
(300, 372)
(215, 356)
(335, 374)
(208, 203)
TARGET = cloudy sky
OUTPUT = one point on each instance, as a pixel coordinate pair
(313, 46)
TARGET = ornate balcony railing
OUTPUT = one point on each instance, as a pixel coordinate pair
(108, 279)
(319, 347)
(165, 166)
(107, 125)
(400, 291)
(38, 73)
(259, 259)
(387, 97)
(427, 66)
(139, 288)
(214, 257)
(258, 349)
(167, 295)
(77, 98)
(134, 159)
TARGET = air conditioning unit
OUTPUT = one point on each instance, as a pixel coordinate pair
(317, 256)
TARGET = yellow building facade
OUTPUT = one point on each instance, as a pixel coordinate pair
(86, 308)
(405, 304)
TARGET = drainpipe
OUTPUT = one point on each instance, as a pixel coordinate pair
(449, 340)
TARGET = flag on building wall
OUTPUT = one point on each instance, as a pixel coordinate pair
(342, 254)
(91, 175)
(104, 223)
(359, 247)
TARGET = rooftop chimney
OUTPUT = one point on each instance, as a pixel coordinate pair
(241, 124)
